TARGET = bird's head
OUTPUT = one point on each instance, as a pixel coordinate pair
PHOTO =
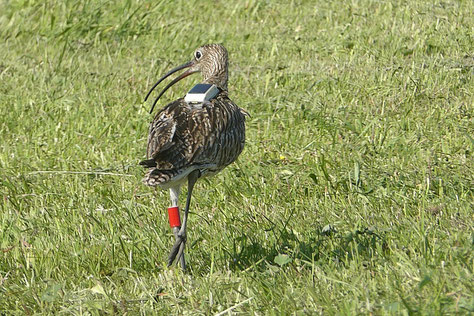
(210, 60)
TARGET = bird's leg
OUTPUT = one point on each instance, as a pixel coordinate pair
(178, 248)
(180, 251)
(192, 178)
(174, 196)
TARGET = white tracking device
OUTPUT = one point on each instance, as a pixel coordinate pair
(201, 93)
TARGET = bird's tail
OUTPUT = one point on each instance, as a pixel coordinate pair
(156, 177)
(149, 163)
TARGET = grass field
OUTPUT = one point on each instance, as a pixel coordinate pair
(354, 193)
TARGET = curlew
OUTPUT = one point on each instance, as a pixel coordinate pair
(193, 137)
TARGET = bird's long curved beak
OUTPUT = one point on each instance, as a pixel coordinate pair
(169, 73)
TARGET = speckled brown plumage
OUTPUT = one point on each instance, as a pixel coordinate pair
(188, 141)
(184, 137)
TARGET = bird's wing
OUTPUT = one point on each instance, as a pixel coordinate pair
(182, 135)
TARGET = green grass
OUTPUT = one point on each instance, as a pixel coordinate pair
(354, 193)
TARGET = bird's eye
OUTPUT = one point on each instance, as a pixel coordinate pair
(198, 55)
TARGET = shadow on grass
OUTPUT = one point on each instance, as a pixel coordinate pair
(323, 245)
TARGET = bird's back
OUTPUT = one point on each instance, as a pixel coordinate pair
(184, 137)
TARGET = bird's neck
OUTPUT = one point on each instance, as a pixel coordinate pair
(219, 80)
